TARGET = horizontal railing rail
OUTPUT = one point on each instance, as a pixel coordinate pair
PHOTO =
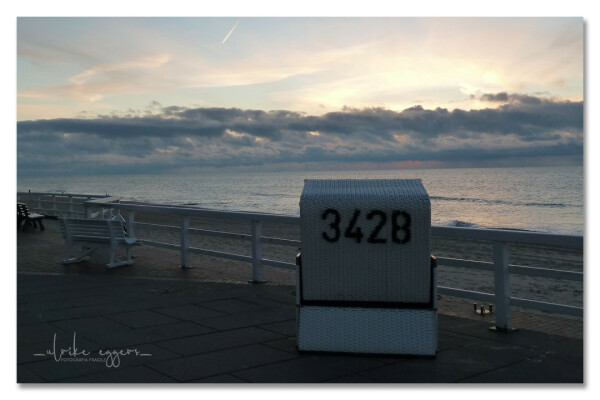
(60, 204)
(509, 235)
(513, 269)
(81, 195)
(500, 239)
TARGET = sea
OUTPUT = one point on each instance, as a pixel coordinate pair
(543, 199)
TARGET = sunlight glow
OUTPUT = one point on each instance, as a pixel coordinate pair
(305, 65)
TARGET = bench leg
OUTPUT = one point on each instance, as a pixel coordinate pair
(113, 260)
(28, 222)
(82, 257)
(68, 246)
(130, 254)
(118, 263)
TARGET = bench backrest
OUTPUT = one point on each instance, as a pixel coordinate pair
(92, 228)
(22, 209)
(365, 240)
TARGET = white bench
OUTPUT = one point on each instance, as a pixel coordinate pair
(366, 279)
(95, 233)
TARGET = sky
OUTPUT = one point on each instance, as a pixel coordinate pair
(170, 95)
(78, 72)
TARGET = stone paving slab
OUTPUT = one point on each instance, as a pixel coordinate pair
(219, 340)
(259, 345)
(219, 379)
(173, 325)
(251, 318)
(25, 375)
(52, 371)
(141, 318)
(234, 306)
(527, 371)
(287, 328)
(190, 312)
(220, 362)
(139, 374)
(41, 252)
(315, 368)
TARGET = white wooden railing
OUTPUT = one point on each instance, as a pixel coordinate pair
(501, 240)
(65, 204)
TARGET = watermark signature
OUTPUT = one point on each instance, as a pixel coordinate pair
(110, 357)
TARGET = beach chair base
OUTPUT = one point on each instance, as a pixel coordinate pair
(405, 331)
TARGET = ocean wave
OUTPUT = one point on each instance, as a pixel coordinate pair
(501, 202)
(462, 224)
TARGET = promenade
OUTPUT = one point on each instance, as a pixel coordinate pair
(156, 323)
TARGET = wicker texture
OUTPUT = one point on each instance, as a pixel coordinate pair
(346, 270)
(367, 330)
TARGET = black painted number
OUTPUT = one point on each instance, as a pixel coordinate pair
(351, 231)
(382, 219)
(405, 227)
(401, 226)
(335, 225)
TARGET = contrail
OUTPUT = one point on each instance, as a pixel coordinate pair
(231, 31)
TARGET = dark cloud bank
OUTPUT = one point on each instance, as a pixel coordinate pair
(521, 126)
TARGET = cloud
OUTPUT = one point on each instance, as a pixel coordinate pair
(514, 98)
(104, 79)
(503, 96)
(178, 137)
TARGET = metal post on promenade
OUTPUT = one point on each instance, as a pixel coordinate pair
(185, 241)
(131, 227)
(257, 276)
(502, 287)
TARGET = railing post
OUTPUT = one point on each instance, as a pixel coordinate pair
(502, 287)
(130, 228)
(70, 206)
(185, 241)
(256, 252)
(54, 205)
(131, 223)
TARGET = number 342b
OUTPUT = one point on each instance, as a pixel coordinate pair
(400, 226)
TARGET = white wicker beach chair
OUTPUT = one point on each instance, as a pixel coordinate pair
(366, 279)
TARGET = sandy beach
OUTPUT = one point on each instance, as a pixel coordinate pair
(535, 288)
(543, 289)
